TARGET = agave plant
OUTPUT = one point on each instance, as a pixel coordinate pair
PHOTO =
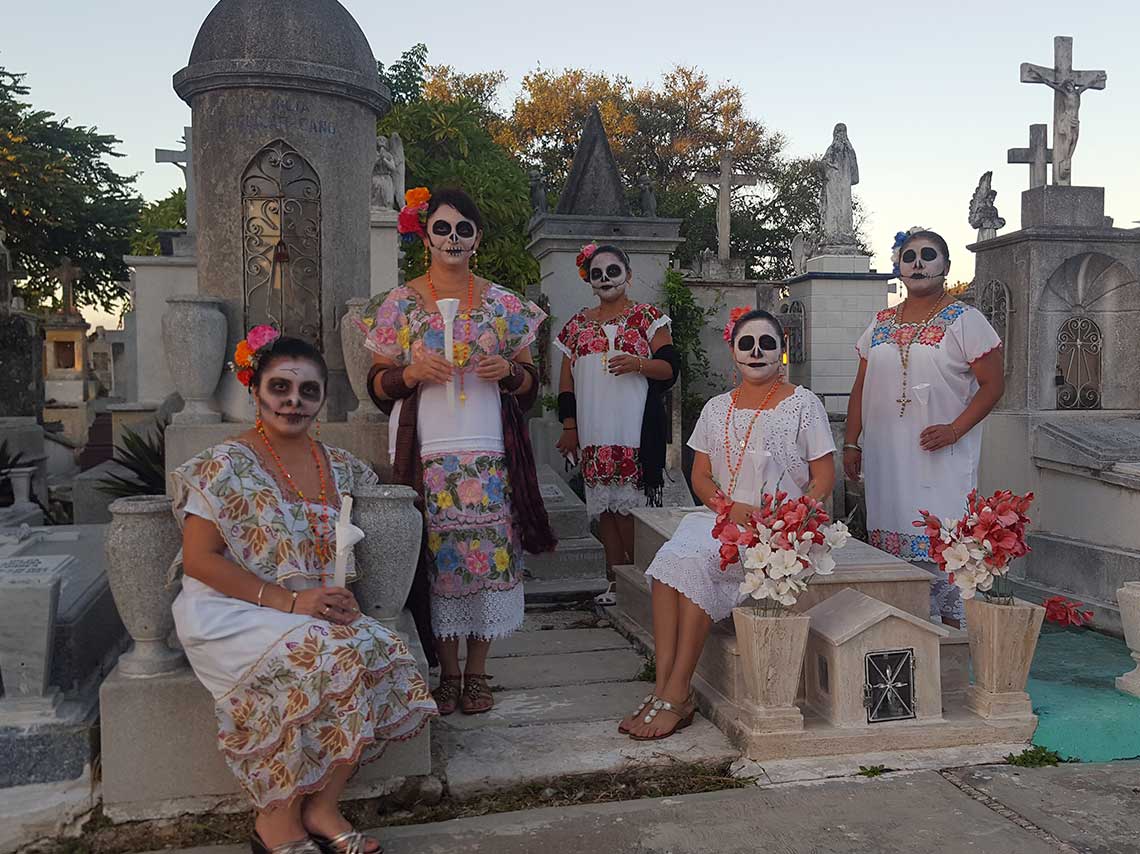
(145, 456)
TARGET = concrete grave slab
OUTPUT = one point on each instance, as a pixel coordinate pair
(580, 668)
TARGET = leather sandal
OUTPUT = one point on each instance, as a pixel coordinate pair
(649, 698)
(685, 719)
(446, 694)
(349, 842)
(298, 846)
(477, 697)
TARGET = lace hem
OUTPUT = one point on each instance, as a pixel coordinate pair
(487, 615)
(613, 499)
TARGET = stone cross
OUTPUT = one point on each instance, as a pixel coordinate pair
(1038, 155)
(725, 182)
(184, 160)
(67, 274)
(8, 274)
(1067, 86)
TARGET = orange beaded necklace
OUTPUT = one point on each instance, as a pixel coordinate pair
(466, 315)
(734, 470)
(322, 534)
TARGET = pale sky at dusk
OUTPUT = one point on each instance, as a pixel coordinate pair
(931, 99)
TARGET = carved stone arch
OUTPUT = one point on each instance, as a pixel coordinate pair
(1079, 346)
(281, 242)
(994, 302)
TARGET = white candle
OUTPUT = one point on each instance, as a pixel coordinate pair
(611, 332)
(347, 535)
(448, 308)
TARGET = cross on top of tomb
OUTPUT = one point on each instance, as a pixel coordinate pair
(725, 182)
(1037, 156)
(1067, 86)
(67, 274)
(8, 274)
(184, 160)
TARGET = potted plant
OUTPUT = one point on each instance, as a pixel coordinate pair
(977, 551)
(780, 547)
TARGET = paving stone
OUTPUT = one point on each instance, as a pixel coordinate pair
(607, 701)
(558, 641)
(1093, 807)
(497, 758)
(564, 589)
(546, 620)
(541, 671)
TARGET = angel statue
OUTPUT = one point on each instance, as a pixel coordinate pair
(983, 212)
(383, 177)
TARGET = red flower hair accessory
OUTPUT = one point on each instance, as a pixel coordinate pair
(583, 260)
(412, 221)
(733, 317)
(248, 352)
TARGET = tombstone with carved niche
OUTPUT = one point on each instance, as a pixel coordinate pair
(285, 99)
(1063, 293)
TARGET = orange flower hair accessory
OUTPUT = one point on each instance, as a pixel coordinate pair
(733, 317)
(412, 221)
(583, 260)
(248, 351)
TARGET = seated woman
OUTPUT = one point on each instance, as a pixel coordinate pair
(763, 434)
(305, 687)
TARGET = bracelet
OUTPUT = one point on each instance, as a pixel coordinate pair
(851, 446)
(513, 381)
(293, 604)
(955, 432)
(640, 364)
(264, 584)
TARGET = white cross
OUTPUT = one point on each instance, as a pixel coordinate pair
(725, 182)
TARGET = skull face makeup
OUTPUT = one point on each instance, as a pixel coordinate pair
(451, 237)
(923, 265)
(609, 276)
(758, 349)
(289, 395)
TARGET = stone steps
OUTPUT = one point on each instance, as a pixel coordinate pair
(556, 590)
(575, 557)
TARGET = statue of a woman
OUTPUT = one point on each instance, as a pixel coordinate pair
(840, 173)
(383, 172)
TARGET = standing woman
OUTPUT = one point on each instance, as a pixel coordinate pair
(457, 434)
(930, 370)
(305, 687)
(611, 403)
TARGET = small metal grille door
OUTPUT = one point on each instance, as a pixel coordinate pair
(888, 689)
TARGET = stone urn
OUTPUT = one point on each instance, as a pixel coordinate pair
(1003, 639)
(771, 647)
(1128, 598)
(387, 556)
(194, 337)
(142, 541)
(357, 360)
(21, 480)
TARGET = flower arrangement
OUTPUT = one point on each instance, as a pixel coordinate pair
(902, 237)
(583, 260)
(979, 547)
(412, 221)
(1063, 612)
(248, 351)
(733, 317)
(780, 546)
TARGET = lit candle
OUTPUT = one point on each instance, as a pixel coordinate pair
(347, 535)
(448, 308)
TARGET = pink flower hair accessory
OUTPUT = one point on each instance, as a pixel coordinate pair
(583, 260)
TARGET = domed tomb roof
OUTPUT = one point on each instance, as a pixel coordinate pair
(314, 45)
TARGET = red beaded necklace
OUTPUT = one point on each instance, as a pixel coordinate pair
(465, 315)
(734, 470)
(321, 533)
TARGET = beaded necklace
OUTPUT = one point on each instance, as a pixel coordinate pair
(465, 315)
(904, 349)
(734, 470)
(321, 533)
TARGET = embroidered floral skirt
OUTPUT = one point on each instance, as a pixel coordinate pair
(613, 478)
(477, 589)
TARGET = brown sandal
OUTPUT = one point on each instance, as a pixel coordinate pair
(685, 718)
(477, 697)
(447, 694)
(649, 698)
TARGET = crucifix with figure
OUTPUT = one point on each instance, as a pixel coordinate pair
(725, 182)
(1067, 86)
(184, 160)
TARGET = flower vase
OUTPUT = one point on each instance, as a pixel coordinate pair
(357, 360)
(1128, 597)
(771, 646)
(1003, 639)
(194, 337)
(142, 541)
(386, 558)
(21, 480)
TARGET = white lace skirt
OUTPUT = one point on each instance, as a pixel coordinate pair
(484, 615)
(690, 564)
(613, 498)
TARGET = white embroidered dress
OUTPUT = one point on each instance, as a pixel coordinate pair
(784, 440)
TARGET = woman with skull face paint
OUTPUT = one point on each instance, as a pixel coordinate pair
(762, 436)
(460, 438)
(930, 370)
(610, 398)
(305, 687)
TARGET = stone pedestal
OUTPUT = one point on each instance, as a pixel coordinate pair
(1003, 639)
(29, 599)
(839, 296)
(1128, 598)
(772, 657)
(1053, 205)
(384, 246)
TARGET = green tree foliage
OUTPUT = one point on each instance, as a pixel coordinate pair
(447, 143)
(59, 196)
(164, 215)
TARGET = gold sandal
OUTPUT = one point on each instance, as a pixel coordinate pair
(349, 842)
